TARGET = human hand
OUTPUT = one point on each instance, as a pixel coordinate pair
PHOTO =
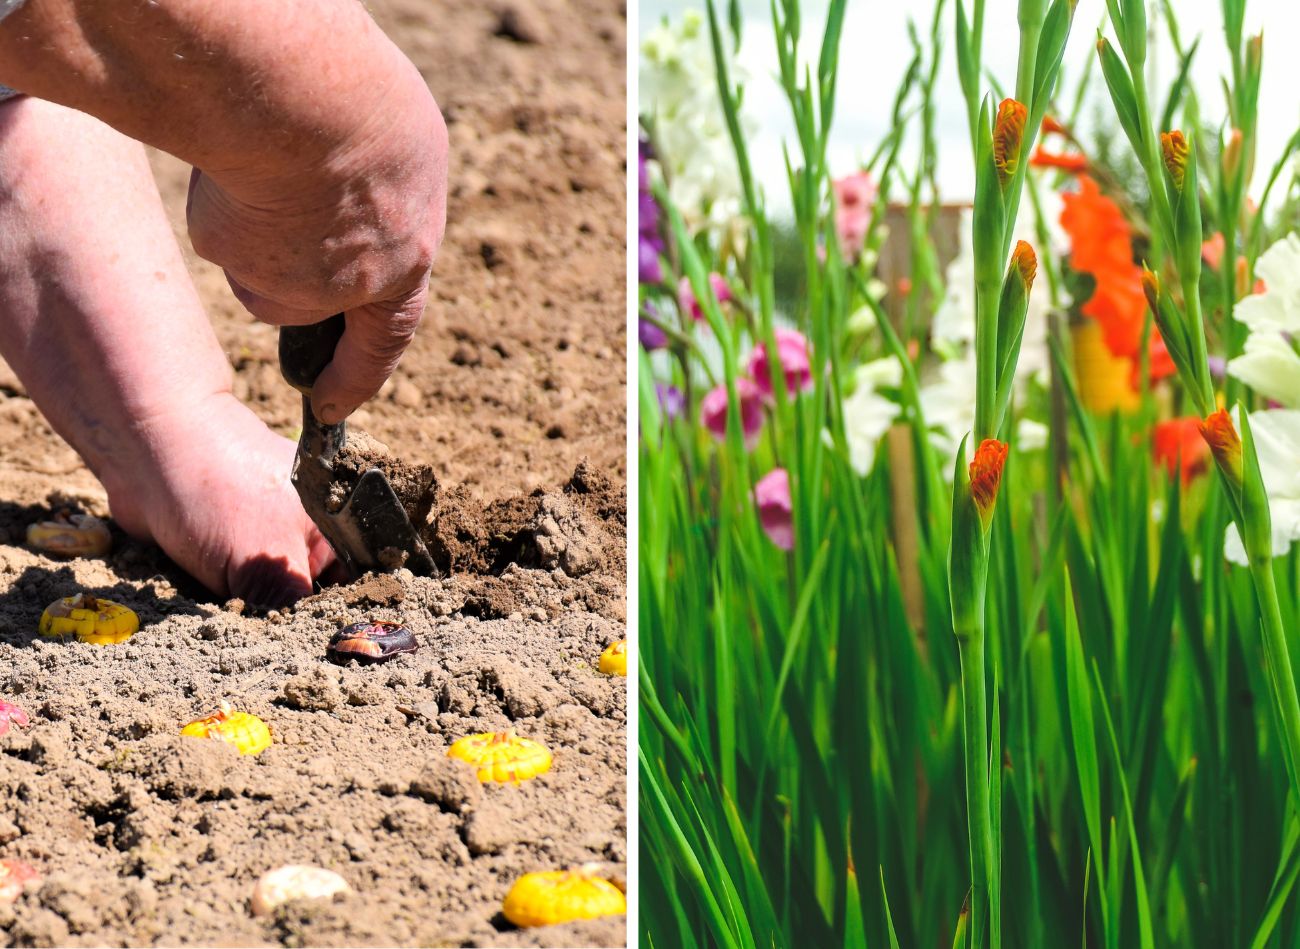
(355, 234)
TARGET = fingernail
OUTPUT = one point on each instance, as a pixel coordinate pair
(330, 414)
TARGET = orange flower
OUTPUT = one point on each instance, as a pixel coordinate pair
(986, 476)
(1051, 126)
(1178, 446)
(1008, 132)
(1074, 164)
(1102, 246)
(1221, 435)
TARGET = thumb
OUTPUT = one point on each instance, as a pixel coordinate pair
(373, 341)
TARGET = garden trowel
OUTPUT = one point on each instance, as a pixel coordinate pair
(367, 527)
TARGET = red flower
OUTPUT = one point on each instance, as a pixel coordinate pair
(1178, 446)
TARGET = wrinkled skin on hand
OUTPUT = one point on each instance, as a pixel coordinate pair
(357, 235)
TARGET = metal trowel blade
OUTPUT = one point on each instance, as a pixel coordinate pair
(369, 528)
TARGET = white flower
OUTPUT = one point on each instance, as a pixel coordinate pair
(867, 413)
(1270, 366)
(948, 404)
(1031, 435)
(1277, 309)
(679, 96)
(954, 321)
(1277, 443)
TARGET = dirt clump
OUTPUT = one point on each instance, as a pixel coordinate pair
(414, 484)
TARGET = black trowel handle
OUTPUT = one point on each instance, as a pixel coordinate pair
(306, 350)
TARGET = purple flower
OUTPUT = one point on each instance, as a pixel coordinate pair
(649, 269)
(651, 243)
(651, 336)
(775, 509)
(671, 400)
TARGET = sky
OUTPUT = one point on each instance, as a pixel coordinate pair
(875, 51)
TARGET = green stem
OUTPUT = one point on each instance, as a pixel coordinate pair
(976, 740)
(1278, 657)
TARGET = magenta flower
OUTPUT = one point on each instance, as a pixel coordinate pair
(775, 511)
(12, 713)
(713, 410)
(855, 196)
(691, 306)
(793, 351)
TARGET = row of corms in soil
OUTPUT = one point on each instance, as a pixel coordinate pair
(536, 899)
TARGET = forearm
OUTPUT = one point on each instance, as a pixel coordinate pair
(96, 313)
(236, 87)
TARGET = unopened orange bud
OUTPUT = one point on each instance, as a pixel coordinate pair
(1173, 148)
(986, 476)
(1221, 435)
(1026, 262)
(1008, 132)
(1243, 278)
(1151, 287)
(1232, 155)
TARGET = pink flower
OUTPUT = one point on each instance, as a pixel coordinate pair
(713, 410)
(855, 196)
(1212, 250)
(772, 495)
(793, 351)
(686, 296)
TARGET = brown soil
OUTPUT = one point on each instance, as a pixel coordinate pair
(516, 377)
(413, 483)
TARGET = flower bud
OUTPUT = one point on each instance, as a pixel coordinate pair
(1221, 435)
(986, 477)
(1254, 53)
(1231, 156)
(1151, 288)
(1008, 132)
(1174, 151)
